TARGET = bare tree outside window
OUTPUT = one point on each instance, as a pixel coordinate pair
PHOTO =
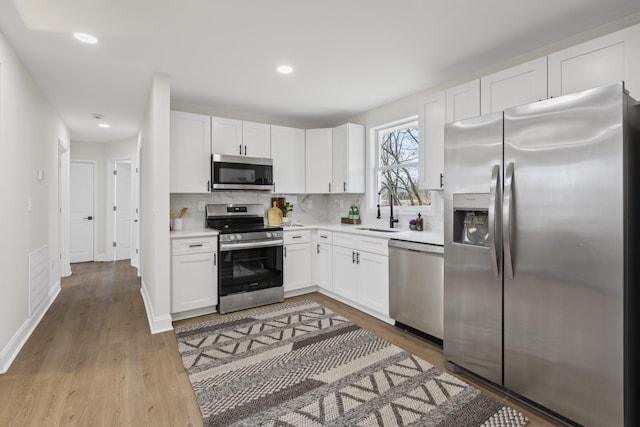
(398, 166)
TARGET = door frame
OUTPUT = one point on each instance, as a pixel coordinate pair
(95, 200)
(63, 209)
(110, 224)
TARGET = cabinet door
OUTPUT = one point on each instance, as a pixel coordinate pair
(463, 101)
(594, 63)
(288, 152)
(190, 153)
(318, 160)
(373, 283)
(348, 160)
(194, 281)
(297, 266)
(345, 272)
(323, 266)
(432, 119)
(226, 136)
(256, 139)
(515, 86)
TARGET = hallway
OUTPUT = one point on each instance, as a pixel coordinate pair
(93, 362)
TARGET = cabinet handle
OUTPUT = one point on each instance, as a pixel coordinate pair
(296, 237)
(353, 257)
(441, 183)
(208, 186)
(240, 149)
(357, 257)
(245, 150)
(199, 245)
(344, 186)
(323, 236)
(285, 251)
(318, 248)
(215, 259)
(329, 187)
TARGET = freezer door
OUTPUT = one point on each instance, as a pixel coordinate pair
(472, 280)
(564, 254)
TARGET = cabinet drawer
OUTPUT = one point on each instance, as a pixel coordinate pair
(374, 245)
(345, 239)
(325, 237)
(292, 237)
(194, 245)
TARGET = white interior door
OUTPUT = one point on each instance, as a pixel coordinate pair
(81, 201)
(123, 214)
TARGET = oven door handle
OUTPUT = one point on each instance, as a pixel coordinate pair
(250, 245)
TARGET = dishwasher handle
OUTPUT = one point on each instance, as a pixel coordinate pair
(415, 246)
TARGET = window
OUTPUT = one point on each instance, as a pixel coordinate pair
(397, 165)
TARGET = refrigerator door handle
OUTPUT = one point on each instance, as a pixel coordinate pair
(508, 221)
(494, 206)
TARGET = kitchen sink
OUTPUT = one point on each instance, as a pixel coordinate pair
(378, 230)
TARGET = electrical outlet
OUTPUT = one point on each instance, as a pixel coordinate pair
(309, 204)
(201, 205)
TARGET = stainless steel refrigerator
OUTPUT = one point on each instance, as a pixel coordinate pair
(540, 243)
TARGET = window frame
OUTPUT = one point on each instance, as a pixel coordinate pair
(375, 168)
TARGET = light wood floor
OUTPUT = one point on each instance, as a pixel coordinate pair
(93, 362)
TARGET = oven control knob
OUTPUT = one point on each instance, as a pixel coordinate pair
(238, 236)
(232, 237)
(269, 235)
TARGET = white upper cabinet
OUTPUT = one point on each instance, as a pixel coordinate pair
(190, 153)
(226, 136)
(240, 138)
(288, 152)
(514, 86)
(318, 160)
(598, 62)
(256, 139)
(348, 162)
(463, 101)
(432, 119)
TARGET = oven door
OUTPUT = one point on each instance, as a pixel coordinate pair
(248, 267)
(241, 173)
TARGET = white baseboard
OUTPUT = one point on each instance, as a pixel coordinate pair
(101, 258)
(9, 353)
(157, 324)
(357, 306)
(301, 291)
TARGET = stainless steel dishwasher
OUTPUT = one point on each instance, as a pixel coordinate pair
(416, 285)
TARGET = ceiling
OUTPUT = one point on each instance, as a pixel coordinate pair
(348, 56)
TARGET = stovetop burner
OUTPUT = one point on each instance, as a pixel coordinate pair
(240, 219)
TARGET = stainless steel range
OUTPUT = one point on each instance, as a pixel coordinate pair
(250, 270)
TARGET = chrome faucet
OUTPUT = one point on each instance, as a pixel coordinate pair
(392, 220)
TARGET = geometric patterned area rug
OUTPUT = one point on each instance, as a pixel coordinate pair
(299, 364)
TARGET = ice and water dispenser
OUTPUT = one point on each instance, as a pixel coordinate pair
(471, 219)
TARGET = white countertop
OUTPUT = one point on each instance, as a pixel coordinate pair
(202, 232)
(428, 237)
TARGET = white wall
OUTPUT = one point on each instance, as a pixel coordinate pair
(154, 167)
(29, 132)
(101, 153)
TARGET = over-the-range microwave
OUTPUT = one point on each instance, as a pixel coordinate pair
(241, 173)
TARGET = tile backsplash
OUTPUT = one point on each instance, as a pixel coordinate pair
(308, 208)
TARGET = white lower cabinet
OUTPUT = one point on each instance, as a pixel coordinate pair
(194, 273)
(322, 260)
(297, 260)
(361, 271)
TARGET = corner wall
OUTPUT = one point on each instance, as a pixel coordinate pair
(154, 169)
(30, 129)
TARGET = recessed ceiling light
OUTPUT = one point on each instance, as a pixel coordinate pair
(104, 125)
(85, 38)
(284, 69)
